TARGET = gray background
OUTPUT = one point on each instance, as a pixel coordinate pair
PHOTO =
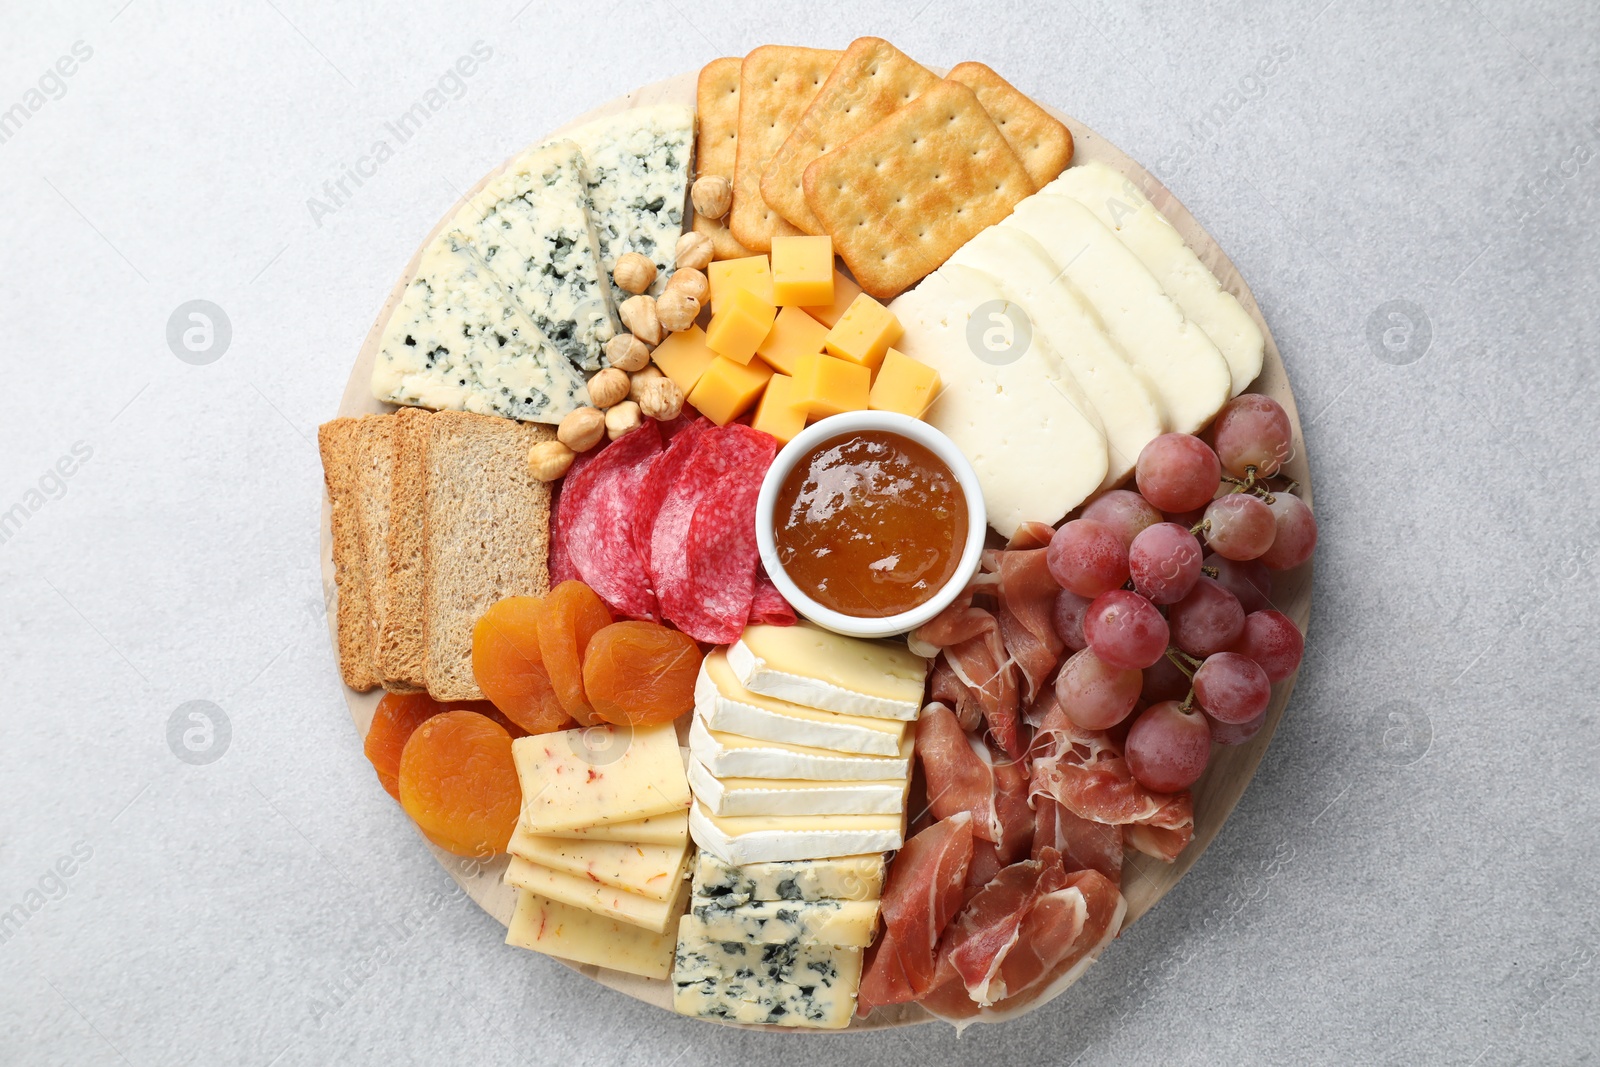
(1410, 876)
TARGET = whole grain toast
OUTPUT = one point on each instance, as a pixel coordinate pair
(345, 446)
(401, 651)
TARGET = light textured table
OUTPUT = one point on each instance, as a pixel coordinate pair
(1411, 196)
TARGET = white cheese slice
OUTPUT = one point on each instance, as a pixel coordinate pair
(1006, 400)
(844, 878)
(1175, 354)
(767, 838)
(1028, 276)
(843, 923)
(729, 707)
(595, 775)
(805, 664)
(556, 929)
(669, 829)
(733, 756)
(579, 892)
(649, 870)
(778, 796)
(1117, 202)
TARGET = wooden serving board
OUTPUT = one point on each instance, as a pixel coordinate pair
(1145, 880)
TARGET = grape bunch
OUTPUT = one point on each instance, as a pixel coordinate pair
(1166, 592)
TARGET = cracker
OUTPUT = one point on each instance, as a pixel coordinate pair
(901, 196)
(717, 147)
(871, 80)
(776, 84)
(1042, 142)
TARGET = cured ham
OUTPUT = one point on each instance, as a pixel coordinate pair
(1027, 623)
(1084, 845)
(967, 637)
(964, 775)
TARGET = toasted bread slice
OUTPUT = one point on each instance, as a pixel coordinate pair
(486, 535)
(346, 447)
(401, 653)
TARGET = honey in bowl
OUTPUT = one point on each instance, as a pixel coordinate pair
(870, 524)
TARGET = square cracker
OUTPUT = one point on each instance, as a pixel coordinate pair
(1043, 143)
(871, 80)
(717, 149)
(901, 196)
(776, 84)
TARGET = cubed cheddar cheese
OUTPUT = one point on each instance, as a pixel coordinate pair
(728, 388)
(793, 334)
(780, 413)
(726, 275)
(831, 386)
(802, 271)
(845, 291)
(739, 326)
(683, 357)
(904, 385)
(864, 333)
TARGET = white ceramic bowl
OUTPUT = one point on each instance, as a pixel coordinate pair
(915, 430)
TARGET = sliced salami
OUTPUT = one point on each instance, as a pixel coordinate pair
(663, 474)
(768, 606)
(595, 523)
(721, 549)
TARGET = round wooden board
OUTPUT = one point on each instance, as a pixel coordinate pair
(1145, 880)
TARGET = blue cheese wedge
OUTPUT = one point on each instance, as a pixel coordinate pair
(458, 342)
(532, 227)
(638, 173)
(844, 878)
(841, 923)
(791, 984)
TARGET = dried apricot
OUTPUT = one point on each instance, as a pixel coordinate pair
(509, 668)
(568, 618)
(459, 784)
(640, 673)
(397, 716)
(488, 710)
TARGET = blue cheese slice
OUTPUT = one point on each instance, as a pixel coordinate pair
(790, 984)
(532, 227)
(841, 923)
(844, 878)
(638, 173)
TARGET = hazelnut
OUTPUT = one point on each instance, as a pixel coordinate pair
(712, 196)
(694, 250)
(676, 309)
(639, 315)
(634, 272)
(640, 378)
(626, 352)
(581, 430)
(622, 418)
(661, 399)
(688, 280)
(549, 460)
(608, 387)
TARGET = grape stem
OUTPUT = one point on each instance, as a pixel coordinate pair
(1181, 660)
(1203, 526)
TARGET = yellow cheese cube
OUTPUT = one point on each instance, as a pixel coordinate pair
(740, 325)
(864, 333)
(794, 334)
(683, 357)
(728, 388)
(779, 414)
(829, 386)
(845, 291)
(802, 271)
(903, 385)
(752, 273)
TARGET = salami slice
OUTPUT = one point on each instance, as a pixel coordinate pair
(768, 605)
(595, 522)
(663, 474)
(561, 569)
(721, 549)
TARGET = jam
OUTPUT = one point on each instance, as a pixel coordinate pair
(870, 524)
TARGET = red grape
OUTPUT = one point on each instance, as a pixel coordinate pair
(1227, 733)
(1296, 536)
(1249, 580)
(1094, 694)
(1241, 526)
(1168, 747)
(1232, 688)
(1125, 630)
(1124, 511)
(1252, 430)
(1164, 681)
(1164, 562)
(1273, 641)
(1087, 558)
(1178, 472)
(1206, 621)
(1068, 617)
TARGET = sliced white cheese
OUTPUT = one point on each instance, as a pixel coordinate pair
(805, 664)
(777, 796)
(649, 870)
(1006, 400)
(733, 756)
(844, 878)
(843, 923)
(729, 707)
(669, 829)
(1119, 204)
(556, 929)
(766, 838)
(655, 915)
(1174, 353)
(1028, 276)
(598, 774)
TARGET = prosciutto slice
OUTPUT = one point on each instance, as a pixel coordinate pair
(1027, 623)
(969, 634)
(964, 774)
(1061, 930)
(1084, 845)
